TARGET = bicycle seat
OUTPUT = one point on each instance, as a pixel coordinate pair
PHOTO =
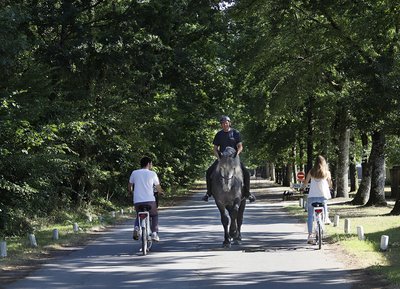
(317, 204)
(144, 208)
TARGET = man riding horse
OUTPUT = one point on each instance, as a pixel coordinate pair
(228, 137)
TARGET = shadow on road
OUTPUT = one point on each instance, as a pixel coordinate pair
(273, 254)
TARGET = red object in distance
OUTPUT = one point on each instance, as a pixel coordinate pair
(300, 176)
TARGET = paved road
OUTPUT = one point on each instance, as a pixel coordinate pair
(190, 255)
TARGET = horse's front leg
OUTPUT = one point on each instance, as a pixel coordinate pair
(225, 220)
(233, 230)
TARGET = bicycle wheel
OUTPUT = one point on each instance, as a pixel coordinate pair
(144, 240)
(319, 235)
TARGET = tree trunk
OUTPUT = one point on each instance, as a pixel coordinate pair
(272, 168)
(281, 173)
(288, 175)
(278, 175)
(293, 163)
(342, 181)
(396, 209)
(353, 168)
(353, 175)
(332, 168)
(377, 159)
(301, 154)
(267, 171)
(362, 195)
(395, 183)
(310, 140)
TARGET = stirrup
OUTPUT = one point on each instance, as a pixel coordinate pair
(205, 198)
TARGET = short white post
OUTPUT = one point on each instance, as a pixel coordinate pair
(384, 242)
(32, 240)
(55, 234)
(360, 233)
(336, 221)
(75, 228)
(326, 217)
(90, 218)
(346, 226)
(301, 201)
(3, 249)
(113, 214)
(122, 211)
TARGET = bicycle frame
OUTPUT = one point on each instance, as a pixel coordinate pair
(319, 223)
(144, 225)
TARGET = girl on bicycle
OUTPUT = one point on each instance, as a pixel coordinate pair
(320, 181)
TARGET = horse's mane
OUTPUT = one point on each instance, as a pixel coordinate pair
(229, 151)
(229, 155)
(227, 175)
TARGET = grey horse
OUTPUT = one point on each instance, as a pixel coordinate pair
(226, 188)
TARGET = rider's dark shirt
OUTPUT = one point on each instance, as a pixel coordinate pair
(227, 139)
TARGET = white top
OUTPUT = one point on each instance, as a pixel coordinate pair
(319, 188)
(144, 180)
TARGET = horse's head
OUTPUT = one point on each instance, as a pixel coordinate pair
(229, 166)
(229, 152)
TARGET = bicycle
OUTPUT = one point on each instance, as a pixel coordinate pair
(318, 220)
(144, 227)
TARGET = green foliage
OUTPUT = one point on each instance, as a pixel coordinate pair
(303, 69)
(393, 151)
(87, 90)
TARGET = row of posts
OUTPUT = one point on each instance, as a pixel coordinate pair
(360, 230)
(75, 228)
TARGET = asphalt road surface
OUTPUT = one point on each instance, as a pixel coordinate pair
(274, 254)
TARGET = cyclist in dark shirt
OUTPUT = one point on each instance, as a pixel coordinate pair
(228, 137)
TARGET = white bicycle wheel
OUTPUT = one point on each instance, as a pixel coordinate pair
(319, 235)
(144, 240)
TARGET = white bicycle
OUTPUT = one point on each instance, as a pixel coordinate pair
(318, 222)
(145, 228)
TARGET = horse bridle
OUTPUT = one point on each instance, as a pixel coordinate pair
(228, 178)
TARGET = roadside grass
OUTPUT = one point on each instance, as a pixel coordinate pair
(375, 222)
(21, 253)
(176, 196)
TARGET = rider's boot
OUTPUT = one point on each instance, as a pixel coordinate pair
(208, 193)
(246, 185)
(252, 198)
(248, 195)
